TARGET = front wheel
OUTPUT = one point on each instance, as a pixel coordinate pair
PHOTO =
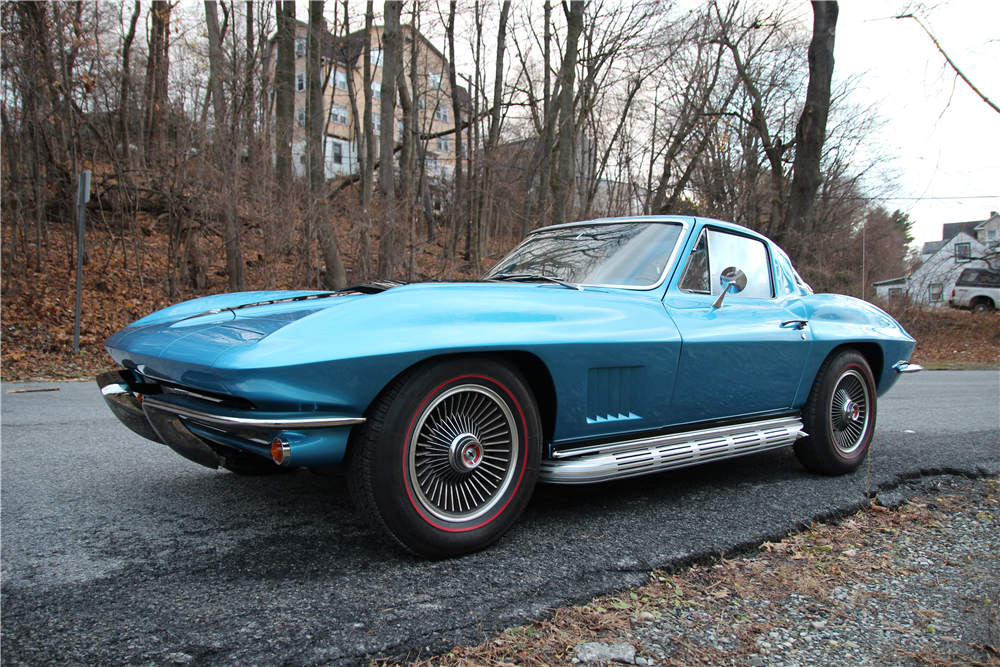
(448, 458)
(839, 416)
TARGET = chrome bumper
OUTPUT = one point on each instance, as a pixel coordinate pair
(906, 367)
(171, 419)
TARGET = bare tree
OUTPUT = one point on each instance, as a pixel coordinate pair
(226, 154)
(458, 197)
(391, 61)
(157, 77)
(567, 128)
(284, 89)
(335, 276)
(811, 131)
(126, 85)
(479, 242)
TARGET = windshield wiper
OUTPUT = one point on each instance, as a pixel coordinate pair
(534, 277)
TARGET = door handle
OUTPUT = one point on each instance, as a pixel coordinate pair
(798, 325)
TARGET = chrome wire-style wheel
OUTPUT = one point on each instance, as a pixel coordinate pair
(448, 456)
(849, 412)
(462, 453)
(839, 415)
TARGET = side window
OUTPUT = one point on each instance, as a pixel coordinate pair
(716, 251)
(747, 254)
(963, 252)
(696, 274)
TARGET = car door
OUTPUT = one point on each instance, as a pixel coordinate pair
(746, 355)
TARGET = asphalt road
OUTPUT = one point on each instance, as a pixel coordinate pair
(117, 551)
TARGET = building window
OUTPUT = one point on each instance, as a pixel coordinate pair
(991, 237)
(895, 293)
(433, 80)
(376, 55)
(300, 82)
(376, 90)
(338, 152)
(963, 252)
(338, 79)
(420, 103)
(443, 144)
(432, 161)
(936, 292)
(376, 123)
(300, 46)
(441, 113)
(399, 128)
(300, 115)
(338, 113)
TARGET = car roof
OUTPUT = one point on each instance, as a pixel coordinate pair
(691, 221)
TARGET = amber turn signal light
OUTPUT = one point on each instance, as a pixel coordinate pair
(280, 451)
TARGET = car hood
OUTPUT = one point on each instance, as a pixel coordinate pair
(197, 341)
(194, 329)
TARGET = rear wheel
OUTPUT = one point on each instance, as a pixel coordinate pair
(448, 458)
(839, 416)
(982, 306)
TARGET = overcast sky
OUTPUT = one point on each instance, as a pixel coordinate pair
(946, 139)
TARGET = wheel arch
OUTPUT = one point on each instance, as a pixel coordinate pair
(982, 298)
(872, 352)
(534, 370)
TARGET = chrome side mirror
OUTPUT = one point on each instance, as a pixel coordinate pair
(732, 280)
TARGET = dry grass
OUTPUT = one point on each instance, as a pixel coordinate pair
(952, 339)
(810, 563)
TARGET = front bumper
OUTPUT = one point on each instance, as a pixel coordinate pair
(204, 430)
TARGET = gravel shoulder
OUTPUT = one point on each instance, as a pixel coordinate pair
(902, 582)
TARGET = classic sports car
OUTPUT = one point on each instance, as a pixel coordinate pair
(593, 351)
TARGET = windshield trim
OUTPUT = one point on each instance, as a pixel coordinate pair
(608, 222)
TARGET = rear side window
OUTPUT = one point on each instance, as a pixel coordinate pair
(983, 277)
(716, 251)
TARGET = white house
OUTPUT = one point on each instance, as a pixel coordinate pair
(988, 231)
(964, 245)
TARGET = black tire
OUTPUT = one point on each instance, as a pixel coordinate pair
(982, 307)
(448, 457)
(839, 416)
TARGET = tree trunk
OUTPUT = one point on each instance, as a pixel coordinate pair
(549, 132)
(284, 91)
(250, 75)
(391, 59)
(225, 154)
(126, 84)
(157, 70)
(368, 173)
(480, 236)
(811, 131)
(457, 209)
(567, 129)
(335, 276)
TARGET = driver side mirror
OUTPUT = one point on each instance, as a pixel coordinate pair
(732, 280)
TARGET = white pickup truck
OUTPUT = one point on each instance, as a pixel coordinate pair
(978, 289)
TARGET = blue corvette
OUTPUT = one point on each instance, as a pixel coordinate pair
(593, 351)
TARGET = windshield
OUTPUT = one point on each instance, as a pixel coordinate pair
(629, 254)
